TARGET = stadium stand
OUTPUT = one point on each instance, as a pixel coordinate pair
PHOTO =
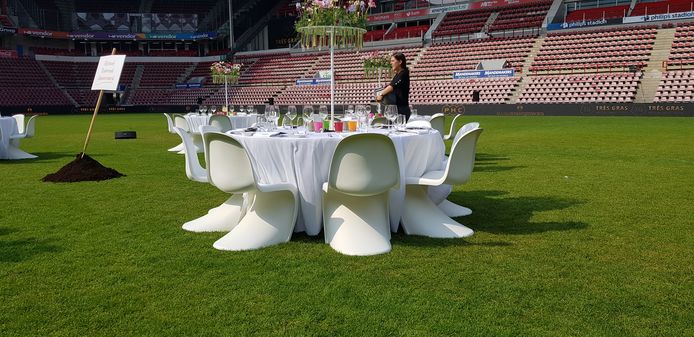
(598, 13)
(677, 82)
(406, 32)
(662, 7)
(182, 6)
(23, 82)
(253, 95)
(374, 35)
(526, 15)
(578, 66)
(463, 22)
(441, 60)
(105, 6)
(682, 51)
(492, 90)
(613, 87)
(676, 86)
(616, 49)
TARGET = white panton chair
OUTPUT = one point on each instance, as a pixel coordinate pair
(423, 217)
(437, 123)
(221, 122)
(451, 132)
(221, 218)
(19, 118)
(170, 126)
(27, 131)
(363, 169)
(451, 209)
(272, 209)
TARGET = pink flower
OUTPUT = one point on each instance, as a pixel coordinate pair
(372, 4)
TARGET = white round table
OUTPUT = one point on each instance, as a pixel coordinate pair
(195, 121)
(305, 162)
(237, 121)
(243, 121)
(8, 125)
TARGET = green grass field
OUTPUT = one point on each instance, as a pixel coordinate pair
(584, 227)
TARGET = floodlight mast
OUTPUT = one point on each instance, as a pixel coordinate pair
(231, 25)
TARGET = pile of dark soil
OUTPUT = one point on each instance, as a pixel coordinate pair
(82, 169)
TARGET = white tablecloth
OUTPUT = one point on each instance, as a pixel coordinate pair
(243, 121)
(195, 121)
(237, 122)
(8, 125)
(305, 162)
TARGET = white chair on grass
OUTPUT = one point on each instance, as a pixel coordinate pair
(19, 118)
(451, 209)
(363, 169)
(465, 129)
(421, 216)
(27, 131)
(221, 218)
(194, 170)
(272, 209)
(437, 122)
(223, 123)
(170, 126)
(181, 122)
(452, 132)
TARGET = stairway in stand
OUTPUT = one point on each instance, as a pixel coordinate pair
(654, 69)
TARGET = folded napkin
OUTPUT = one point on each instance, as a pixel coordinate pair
(268, 134)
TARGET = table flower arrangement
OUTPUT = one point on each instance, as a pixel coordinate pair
(225, 72)
(344, 19)
(376, 63)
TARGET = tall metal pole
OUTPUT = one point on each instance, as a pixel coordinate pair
(231, 25)
(226, 93)
(332, 76)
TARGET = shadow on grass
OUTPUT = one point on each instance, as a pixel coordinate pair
(485, 162)
(403, 239)
(485, 157)
(5, 231)
(42, 156)
(494, 168)
(400, 238)
(25, 249)
(492, 213)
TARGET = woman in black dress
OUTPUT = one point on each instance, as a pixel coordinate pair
(398, 91)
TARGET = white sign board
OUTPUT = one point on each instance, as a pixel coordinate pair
(108, 72)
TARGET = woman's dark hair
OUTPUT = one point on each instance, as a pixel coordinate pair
(401, 57)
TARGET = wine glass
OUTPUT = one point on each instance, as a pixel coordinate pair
(413, 112)
(349, 110)
(271, 114)
(242, 109)
(307, 111)
(213, 109)
(362, 115)
(291, 114)
(400, 122)
(391, 114)
(202, 110)
(323, 112)
(250, 109)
